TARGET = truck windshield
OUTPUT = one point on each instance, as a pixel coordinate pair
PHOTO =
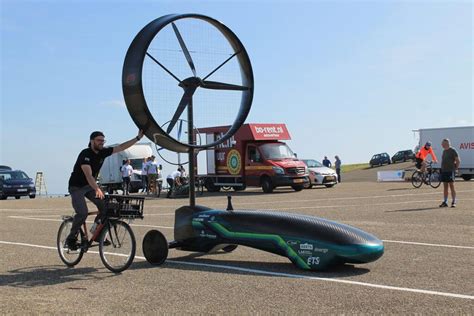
(276, 151)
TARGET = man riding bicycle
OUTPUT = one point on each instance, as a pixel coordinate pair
(421, 156)
(82, 183)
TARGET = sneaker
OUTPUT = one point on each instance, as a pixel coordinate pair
(453, 204)
(443, 204)
(71, 244)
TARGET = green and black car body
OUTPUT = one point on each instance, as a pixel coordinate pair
(309, 242)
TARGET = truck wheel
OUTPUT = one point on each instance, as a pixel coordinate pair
(210, 187)
(242, 188)
(267, 185)
(466, 177)
(298, 187)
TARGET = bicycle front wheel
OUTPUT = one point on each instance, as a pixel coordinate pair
(435, 179)
(117, 246)
(417, 179)
(69, 257)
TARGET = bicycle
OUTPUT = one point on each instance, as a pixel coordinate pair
(113, 236)
(430, 177)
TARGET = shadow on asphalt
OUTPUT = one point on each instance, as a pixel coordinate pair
(402, 189)
(339, 271)
(51, 275)
(414, 209)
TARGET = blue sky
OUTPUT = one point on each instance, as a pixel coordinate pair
(351, 78)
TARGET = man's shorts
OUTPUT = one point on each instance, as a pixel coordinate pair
(447, 176)
(418, 163)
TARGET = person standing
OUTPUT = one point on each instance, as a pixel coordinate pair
(152, 173)
(82, 183)
(144, 175)
(337, 164)
(127, 171)
(449, 164)
(326, 162)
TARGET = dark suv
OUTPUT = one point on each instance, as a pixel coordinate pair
(16, 183)
(403, 155)
(379, 159)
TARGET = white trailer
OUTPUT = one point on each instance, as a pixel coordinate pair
(110, 177)
(462, 139)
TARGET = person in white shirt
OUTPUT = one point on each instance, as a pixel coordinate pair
(172, 179)
(127, 171)
(152, 173)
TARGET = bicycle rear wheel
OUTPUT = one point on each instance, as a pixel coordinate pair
(69, 257)
(117, 246)
(417, 179)
(435, 179)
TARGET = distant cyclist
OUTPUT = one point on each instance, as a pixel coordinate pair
(421, 156)
(82, 183)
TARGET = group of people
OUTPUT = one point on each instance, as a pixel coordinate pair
(449, 164)
(337, 166)
(151, 175)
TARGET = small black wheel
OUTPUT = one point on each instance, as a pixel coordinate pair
(69, 257)
(229, 248)
(466, 177)
(267, 185)
(417, 179)
(155, 247)
(17, 197)
(32, 196)
(117, 246)
(329, 185)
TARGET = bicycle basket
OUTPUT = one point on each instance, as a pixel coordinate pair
(124, 206)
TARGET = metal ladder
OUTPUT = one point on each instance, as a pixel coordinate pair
(40, 184)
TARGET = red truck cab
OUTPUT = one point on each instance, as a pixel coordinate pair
(254, 156)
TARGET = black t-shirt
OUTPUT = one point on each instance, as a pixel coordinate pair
(88, 157)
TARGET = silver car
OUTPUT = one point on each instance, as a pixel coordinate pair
(319, 174)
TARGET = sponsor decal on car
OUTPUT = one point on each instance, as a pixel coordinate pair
(313, 261)
(306, 246)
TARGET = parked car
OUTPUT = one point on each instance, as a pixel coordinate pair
(403, 155)
(16, 183)
(379, 160)
(319, 174)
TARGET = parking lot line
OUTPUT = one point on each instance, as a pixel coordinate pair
(426, 244)
(287, 275)
(436, 192)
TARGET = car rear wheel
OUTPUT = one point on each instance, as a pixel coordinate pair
(466, 177)
(32, 196)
